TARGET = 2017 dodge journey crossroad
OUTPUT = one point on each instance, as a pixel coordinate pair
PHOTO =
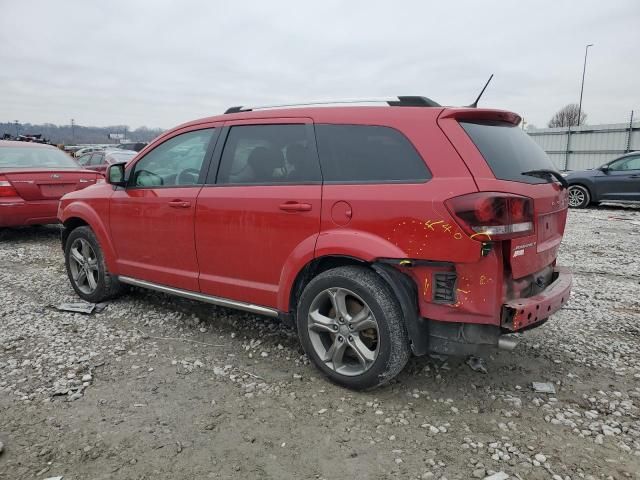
(378, 231)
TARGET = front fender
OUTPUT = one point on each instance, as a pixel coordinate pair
(587, 182)
(96, 217)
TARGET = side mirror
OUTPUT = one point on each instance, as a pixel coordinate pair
(115, 175)
(604, 169)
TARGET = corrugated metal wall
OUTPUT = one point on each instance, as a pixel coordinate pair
(587, 146)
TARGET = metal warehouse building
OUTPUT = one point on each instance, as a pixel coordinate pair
(587, 146)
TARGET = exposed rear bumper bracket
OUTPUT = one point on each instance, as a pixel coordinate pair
(522, 313)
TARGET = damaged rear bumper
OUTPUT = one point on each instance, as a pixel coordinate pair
(523, 313)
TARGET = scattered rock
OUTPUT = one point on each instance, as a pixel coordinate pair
(477, 364)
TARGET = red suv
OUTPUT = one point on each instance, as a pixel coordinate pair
(379, 231)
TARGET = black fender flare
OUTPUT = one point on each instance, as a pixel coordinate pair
(405, 291)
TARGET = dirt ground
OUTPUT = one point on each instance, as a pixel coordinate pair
(155, 387)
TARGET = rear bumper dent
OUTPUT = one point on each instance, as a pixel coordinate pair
(523, 313)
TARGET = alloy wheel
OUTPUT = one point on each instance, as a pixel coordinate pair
(576, 197)
(343, 331)
(83, 263)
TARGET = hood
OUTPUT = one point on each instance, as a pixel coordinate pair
(594, 172)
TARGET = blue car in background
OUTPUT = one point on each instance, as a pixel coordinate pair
(615, 181)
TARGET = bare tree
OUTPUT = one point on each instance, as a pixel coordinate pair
(567, 116)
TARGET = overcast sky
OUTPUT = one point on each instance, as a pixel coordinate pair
(160, 63)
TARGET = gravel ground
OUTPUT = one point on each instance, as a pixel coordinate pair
(159, 387)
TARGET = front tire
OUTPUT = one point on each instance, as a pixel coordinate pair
(351, 327)
(579, 196)
(86, 269)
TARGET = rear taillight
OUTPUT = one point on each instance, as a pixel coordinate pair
(6, 189)
(493, 215)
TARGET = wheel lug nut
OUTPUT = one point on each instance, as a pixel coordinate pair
(350, 338)
(341, 320)
(340, 339)
(350, 327)
(335, 327)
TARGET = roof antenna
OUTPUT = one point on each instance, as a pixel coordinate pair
(475, 104)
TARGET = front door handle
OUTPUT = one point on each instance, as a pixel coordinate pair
(635, 176)
(179, 204)
(295, 207)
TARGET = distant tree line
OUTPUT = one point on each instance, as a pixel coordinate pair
(568, 116)
(78, 134)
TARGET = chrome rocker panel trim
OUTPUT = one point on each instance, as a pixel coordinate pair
(223, 302)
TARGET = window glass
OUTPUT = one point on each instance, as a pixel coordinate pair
(629, 163)
(96, 158)
(29, 156)
(84, 160)
(508, 150)
(178, 161)
(368, 154)
(259, 154)
(117, 157)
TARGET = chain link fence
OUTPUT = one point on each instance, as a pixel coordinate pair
(587, 146)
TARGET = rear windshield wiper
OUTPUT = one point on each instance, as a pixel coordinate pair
(543, 172)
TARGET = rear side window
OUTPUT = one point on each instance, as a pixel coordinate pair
(368, 154)
(96, 158)
(508, 150)
(268, 154)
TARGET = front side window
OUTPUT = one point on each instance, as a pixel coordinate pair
(628, 163)
(268, 154)
(176, 162)
(368, 154)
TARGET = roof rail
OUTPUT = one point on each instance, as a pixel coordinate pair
(400, 101)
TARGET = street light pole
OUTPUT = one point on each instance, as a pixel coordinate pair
(73, 131)
(584, 69)
(16, 123)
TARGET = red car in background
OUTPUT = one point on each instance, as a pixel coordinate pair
(99, 161)
(33, 177)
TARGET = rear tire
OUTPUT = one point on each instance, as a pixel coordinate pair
(579, 196)
(86, 268)
(351, 327)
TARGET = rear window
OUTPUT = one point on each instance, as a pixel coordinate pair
(508, 150)
(35, 157)
(368, 154)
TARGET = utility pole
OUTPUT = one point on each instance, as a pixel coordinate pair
(629, 133)
(73, 131)
(584, 69)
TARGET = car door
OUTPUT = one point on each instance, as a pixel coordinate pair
(261, 208)
(96, 162)
(151, 219)
(621, 180)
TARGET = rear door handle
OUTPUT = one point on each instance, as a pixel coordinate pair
(179, 204)
(635, 176)
(295, 207)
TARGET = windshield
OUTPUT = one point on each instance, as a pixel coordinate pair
(35, 157)
(508, 151)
